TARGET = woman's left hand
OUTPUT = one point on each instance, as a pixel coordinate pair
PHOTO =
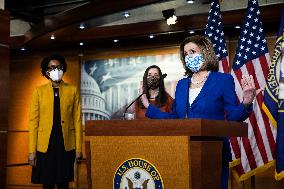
(143, 98)
(249, 89)
(79, 156)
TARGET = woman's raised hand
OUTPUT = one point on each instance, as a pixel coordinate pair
(143, 98)
(249, 89)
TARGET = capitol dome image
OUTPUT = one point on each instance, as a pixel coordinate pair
(92, 101)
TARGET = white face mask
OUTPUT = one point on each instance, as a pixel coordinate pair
(56, 75)
(194, 63)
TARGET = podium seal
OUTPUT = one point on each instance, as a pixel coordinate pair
(137, 173)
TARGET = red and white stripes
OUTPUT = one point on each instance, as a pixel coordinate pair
(224, 65)
(259, 147)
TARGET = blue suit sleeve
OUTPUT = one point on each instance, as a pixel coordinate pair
(154, 112)
(234, 111)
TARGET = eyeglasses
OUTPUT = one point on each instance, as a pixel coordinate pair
(59, 67)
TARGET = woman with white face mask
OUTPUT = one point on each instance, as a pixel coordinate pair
(55, 131)
(206, 93)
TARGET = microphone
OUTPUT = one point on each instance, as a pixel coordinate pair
(164, 76)
(123, 116)
(187, 100)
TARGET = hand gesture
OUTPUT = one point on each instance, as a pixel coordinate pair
(79, 156)
(249, 89)
(141, 88)
(32, 159)
(143, 98)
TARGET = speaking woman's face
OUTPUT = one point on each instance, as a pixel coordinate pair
(191, 49)
(194, 59)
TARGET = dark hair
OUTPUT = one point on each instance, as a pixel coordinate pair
(207, 51)
(161, 98)
(45, 61)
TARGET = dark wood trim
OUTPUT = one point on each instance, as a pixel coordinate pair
(18, 131)
(17, 41)
(4, 96)
(24, 131)
(70, 36)
(197, 21)
(204, 151)
(88, 161)
(18, 165)
(4, 27)
(20, 186)
(165, 127)
(82, 161)
(190, 152)
(3, 156)
(87, 11)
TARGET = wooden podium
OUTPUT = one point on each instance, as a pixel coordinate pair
(187, 153)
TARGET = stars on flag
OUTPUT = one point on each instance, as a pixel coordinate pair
(252, 43)
(214, 30)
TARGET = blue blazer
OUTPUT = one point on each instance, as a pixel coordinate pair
(216, 98)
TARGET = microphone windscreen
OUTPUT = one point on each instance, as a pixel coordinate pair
(164, 76)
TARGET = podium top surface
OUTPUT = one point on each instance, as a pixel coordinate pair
(165, 127)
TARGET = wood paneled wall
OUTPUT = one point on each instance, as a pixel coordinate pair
(4, 92)
(25, 75)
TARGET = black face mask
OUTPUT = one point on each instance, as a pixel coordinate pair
(153, 82)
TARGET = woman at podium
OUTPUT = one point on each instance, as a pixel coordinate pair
(55, 131)
(206, 93)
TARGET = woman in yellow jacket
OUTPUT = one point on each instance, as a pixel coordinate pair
(55, 130)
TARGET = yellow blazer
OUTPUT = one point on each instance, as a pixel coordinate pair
(41, 117)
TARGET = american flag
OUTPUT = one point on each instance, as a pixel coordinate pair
(214, 30)
(256, 151)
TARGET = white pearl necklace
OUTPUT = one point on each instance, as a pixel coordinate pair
(201, 81)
